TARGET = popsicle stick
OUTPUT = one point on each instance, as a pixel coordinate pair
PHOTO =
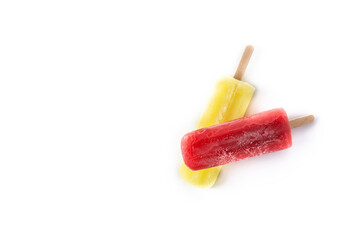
(301, 121)
(244, 62)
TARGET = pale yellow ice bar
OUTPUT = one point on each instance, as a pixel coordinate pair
(230, 101)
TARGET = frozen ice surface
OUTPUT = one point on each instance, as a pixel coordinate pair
(232, 141)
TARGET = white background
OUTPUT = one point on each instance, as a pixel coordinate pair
(96, 95)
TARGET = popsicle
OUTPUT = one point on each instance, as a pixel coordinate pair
(238, 139)
(229, 101)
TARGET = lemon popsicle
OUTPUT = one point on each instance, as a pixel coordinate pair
(229, 101)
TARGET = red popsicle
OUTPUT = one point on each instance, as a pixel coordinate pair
(241, 138)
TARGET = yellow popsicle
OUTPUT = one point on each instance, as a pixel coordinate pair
(230, 101)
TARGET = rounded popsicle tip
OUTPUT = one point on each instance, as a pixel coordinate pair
(188, 150)
(186, 147)
(249, 48)
(205, 178)
(311, 118)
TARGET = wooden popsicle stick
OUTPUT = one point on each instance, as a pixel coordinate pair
(301, 121)
(244, 62)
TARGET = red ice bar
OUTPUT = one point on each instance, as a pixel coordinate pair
(232, 141)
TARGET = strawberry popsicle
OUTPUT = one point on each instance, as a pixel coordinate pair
(238, 139)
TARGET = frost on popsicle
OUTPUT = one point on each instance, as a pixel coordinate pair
(232, 141)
